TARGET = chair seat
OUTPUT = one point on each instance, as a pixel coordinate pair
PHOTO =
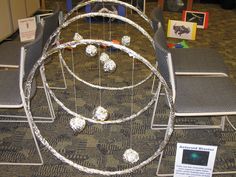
(10, 86)
(10, 78)
(198, 61)
(10, 54)
(205, 96)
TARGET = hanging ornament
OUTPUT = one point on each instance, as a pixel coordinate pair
(77, 124)
(91, 50)
(77, 37)
(109, 66)
(104, 57)
(100, 113)
(130, 156)
(125, 40)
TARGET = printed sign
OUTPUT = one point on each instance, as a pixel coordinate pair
(181, 29)
(201, 18)
(27, 29)
(194, 160)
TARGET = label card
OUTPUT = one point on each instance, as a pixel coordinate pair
(27, 29)
(194, 160)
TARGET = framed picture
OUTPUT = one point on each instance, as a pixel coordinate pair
(201, 18)
(181, 29)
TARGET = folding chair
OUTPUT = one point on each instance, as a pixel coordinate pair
(196, 96)
(12, 81)
(50, 24)
(12, 88)
(156, 17)
(191, 61)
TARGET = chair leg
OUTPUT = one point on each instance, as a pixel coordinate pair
(38, 151)
(223, 122)
(49, 100)
(153, 83)
(159, 165)
(230, 123)
(63, 75)
(155, 106)
(144, 6)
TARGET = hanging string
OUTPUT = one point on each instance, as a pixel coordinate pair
(99, 78)
(90, 27)
(74, 83)
(132, 103)
(77, 25)
(99, 64)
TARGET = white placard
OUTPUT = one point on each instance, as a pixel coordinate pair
(194, 160)
(27, 29)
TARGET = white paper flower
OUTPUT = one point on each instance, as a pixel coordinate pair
(77, 124)
(104, 57)
(125, 40)
(100, 113)
(130, 156)
(91, 50)
(77, 37)
(109, 66)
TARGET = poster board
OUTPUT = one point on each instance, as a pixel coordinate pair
(194, 160)
(201, 18)
(181, 29)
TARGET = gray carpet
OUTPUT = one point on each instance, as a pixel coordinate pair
(102, 146)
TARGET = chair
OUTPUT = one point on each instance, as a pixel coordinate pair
(196, 96)
(12, 87)
(192, 61)
(10, 98)
(50, 24)
(156, 17)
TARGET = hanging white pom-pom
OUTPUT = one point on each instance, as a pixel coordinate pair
(77, 37)
(77, 124)
(130, 156)
(125, 40)
(91, 50)
(100, 113)
(109, 66)
(104, 57)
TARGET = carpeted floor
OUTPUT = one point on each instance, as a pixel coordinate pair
(102, 146)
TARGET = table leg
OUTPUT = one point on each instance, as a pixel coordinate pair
(189, 4)
(42, 2)
(160, 4)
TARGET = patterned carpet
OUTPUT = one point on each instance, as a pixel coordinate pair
(102, 146)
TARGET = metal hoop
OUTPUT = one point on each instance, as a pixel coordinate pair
(82, 4)
(75, 165)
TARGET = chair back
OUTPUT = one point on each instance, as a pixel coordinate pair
(164, 59)
(30, 53)
(50, 24)
(156, 17)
